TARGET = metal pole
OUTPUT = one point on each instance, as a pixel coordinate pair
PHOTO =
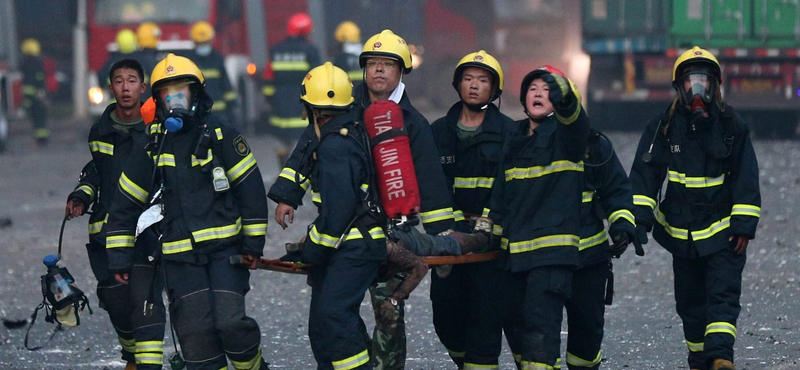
(80, 100)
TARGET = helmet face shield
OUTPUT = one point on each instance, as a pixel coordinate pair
(176, 95)
(700, 84)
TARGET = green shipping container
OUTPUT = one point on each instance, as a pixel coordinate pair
(711, 23)
(776, 23)
(624, 18)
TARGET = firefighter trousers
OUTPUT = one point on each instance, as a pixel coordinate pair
(338, 335)
(585, 316)
(121, 301)
(533, 303)
(707, 292)
(207, 310)
(465, 314)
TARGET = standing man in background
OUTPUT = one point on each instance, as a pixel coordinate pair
(349, 35)
(33, 89)
(212, 64)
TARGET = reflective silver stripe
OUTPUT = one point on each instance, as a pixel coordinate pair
(219, 232)
(165, 160)
(746, 210)
(593, 240)
(256, 229)
(485, 212)
(119, 241)
(539, 171)
(209, 158)
(436, 215)
(127, 344)
(86, 189)
(96, 227)
(155, 128)
(316, 197)
(587, 196)
(149, 358)
(674, 232)
(290, 66)
(289, 174)
(721, 327)
(176, 246)
(622, 213)
(473, 182)
(458, 215)
(497, 230)
(529, 365)
(561, 240)
(695, 347)
(218, 131)
(577, 361)
(351, 362)
(129, 187)
(150, 346)
(241, 168)
(330, 241)
(248, 365)
(101, 147)
(695, 182)
(642, 200)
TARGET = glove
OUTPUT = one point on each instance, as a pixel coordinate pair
(641, 239)
(620, 243)
(560, 91)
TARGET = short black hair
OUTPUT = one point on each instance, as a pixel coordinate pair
(126, 63)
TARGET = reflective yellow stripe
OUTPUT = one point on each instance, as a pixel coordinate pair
(330, 241)
(230, 95)
(150, 346)
(471, 366)
(155, 128)
(351, 362)
(119, 241)
(165, 160)
(129, 187)
(290, 66)
(711, 230)
(96, 227)
(288, 122)
(695, 182)
(539, 171)
(289, 174)
(577, 361)
(218, 131)
(593, 240)
(562, 240)
(101, 147)
(127, 344)
(258, 229)
(458, 215)
(485, 212)
(149, 358)
(268, 90)
(88, 190)
(473, 182)
(497, 230)
(316, 197)
(746, 210)
(209, 158)
(253, 364)
(622, 213)
(356, 75)
(529, 365)
(721, 327)
(241, 168)
(674, 232)
(436, 215)
(456, 354)
(587, 196)
(219, 105)
(641, 200)
(219, 232)
(176, 246)
(572, 118)
(695, 347)
(211, 72)
(29, 90)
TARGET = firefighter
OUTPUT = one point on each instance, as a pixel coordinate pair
(385, 59)
(33, 89)
(290, 60)
(111, 140)
(468, 140)
(126, 46)
(349, 35)
(199, 178)
(606, 195)
(711, 206)
(537, 207)
(212, 64)
(148, 34)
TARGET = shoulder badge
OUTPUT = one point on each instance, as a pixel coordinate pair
(241, 146)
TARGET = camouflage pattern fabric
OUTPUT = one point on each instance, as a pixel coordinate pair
(388, 342)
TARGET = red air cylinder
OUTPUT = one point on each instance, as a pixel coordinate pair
(391, 154)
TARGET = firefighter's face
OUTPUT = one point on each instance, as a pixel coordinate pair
(127, 88)
(537, 100)
(476, 85)
(383, 75)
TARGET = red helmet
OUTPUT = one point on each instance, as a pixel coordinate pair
(300, 24)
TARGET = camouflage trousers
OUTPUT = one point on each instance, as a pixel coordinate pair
(388, 341)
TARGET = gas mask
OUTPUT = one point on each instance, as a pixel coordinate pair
(177, 102)
(697, 88)
(203, 49)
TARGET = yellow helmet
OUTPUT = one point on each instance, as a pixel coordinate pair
(327, 87)
(126, 41)
(696, 55)
(31, 47)
(386, 45)
(481, 59)
(148, 35)
(174, 67)
(202, 32)
(348, 32)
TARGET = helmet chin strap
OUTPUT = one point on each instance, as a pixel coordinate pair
(540, 119)
(476, 107)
